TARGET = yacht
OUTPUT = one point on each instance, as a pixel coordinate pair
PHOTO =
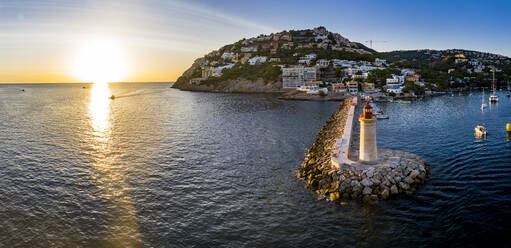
(480, 131)
(493, 98)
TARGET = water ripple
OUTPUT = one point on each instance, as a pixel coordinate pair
(186, 169)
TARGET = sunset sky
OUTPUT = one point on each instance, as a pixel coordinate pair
(157, 40)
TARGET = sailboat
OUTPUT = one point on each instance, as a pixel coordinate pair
(483, 105)
(493, 98)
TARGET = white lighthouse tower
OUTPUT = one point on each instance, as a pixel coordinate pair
(368, 151)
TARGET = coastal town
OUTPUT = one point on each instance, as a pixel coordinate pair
(320, 63)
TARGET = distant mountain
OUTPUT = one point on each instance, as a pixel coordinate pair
(425, 57)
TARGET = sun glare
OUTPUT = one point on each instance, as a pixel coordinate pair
(100, 60)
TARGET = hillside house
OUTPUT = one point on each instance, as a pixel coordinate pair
(338, 87)
(257, 59)
(295, 77)
(227, 55)
(353, 87)
(248, 49)
(322, 63)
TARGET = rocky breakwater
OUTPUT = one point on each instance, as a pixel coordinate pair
(394, 173)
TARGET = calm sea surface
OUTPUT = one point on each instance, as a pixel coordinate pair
(159, 167)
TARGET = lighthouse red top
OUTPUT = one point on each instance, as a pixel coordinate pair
(368, 111)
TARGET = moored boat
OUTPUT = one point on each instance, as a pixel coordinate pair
(480, 131)
(493, 97)
(381, 116)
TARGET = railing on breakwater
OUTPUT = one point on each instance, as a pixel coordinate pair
(342, 146)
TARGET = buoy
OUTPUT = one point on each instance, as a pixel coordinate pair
(508, 127)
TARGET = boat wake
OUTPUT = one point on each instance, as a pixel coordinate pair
(134, 93)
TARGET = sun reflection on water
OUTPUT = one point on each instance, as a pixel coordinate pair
(99, 108)
(109, 174)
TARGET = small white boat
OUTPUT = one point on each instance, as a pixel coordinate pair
(378, 112)
(493, 98)
(480, 131)
(381, 116)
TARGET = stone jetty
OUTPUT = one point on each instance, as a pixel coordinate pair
(335, 177)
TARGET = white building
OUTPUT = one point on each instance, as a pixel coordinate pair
(215, 71)
(361, 76)
(295, 77)
(310, 56)
(248, 49)
(311, 87)
(353, 87)
(380, 62)
(338, 87)
(257, 59)
(393, 86)
(407, 72)
(392, 81)
(396, 90)
(366, 68)
(343, 63)
(322, 63)
(401, 79)
(274, 59)
(306, 60)
(352, 70)
(227, 55)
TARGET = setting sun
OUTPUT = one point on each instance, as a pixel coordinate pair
(100, 60)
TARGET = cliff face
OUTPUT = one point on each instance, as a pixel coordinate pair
(182, 81)
(232, 68)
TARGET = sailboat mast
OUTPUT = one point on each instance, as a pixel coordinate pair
(493, 81)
